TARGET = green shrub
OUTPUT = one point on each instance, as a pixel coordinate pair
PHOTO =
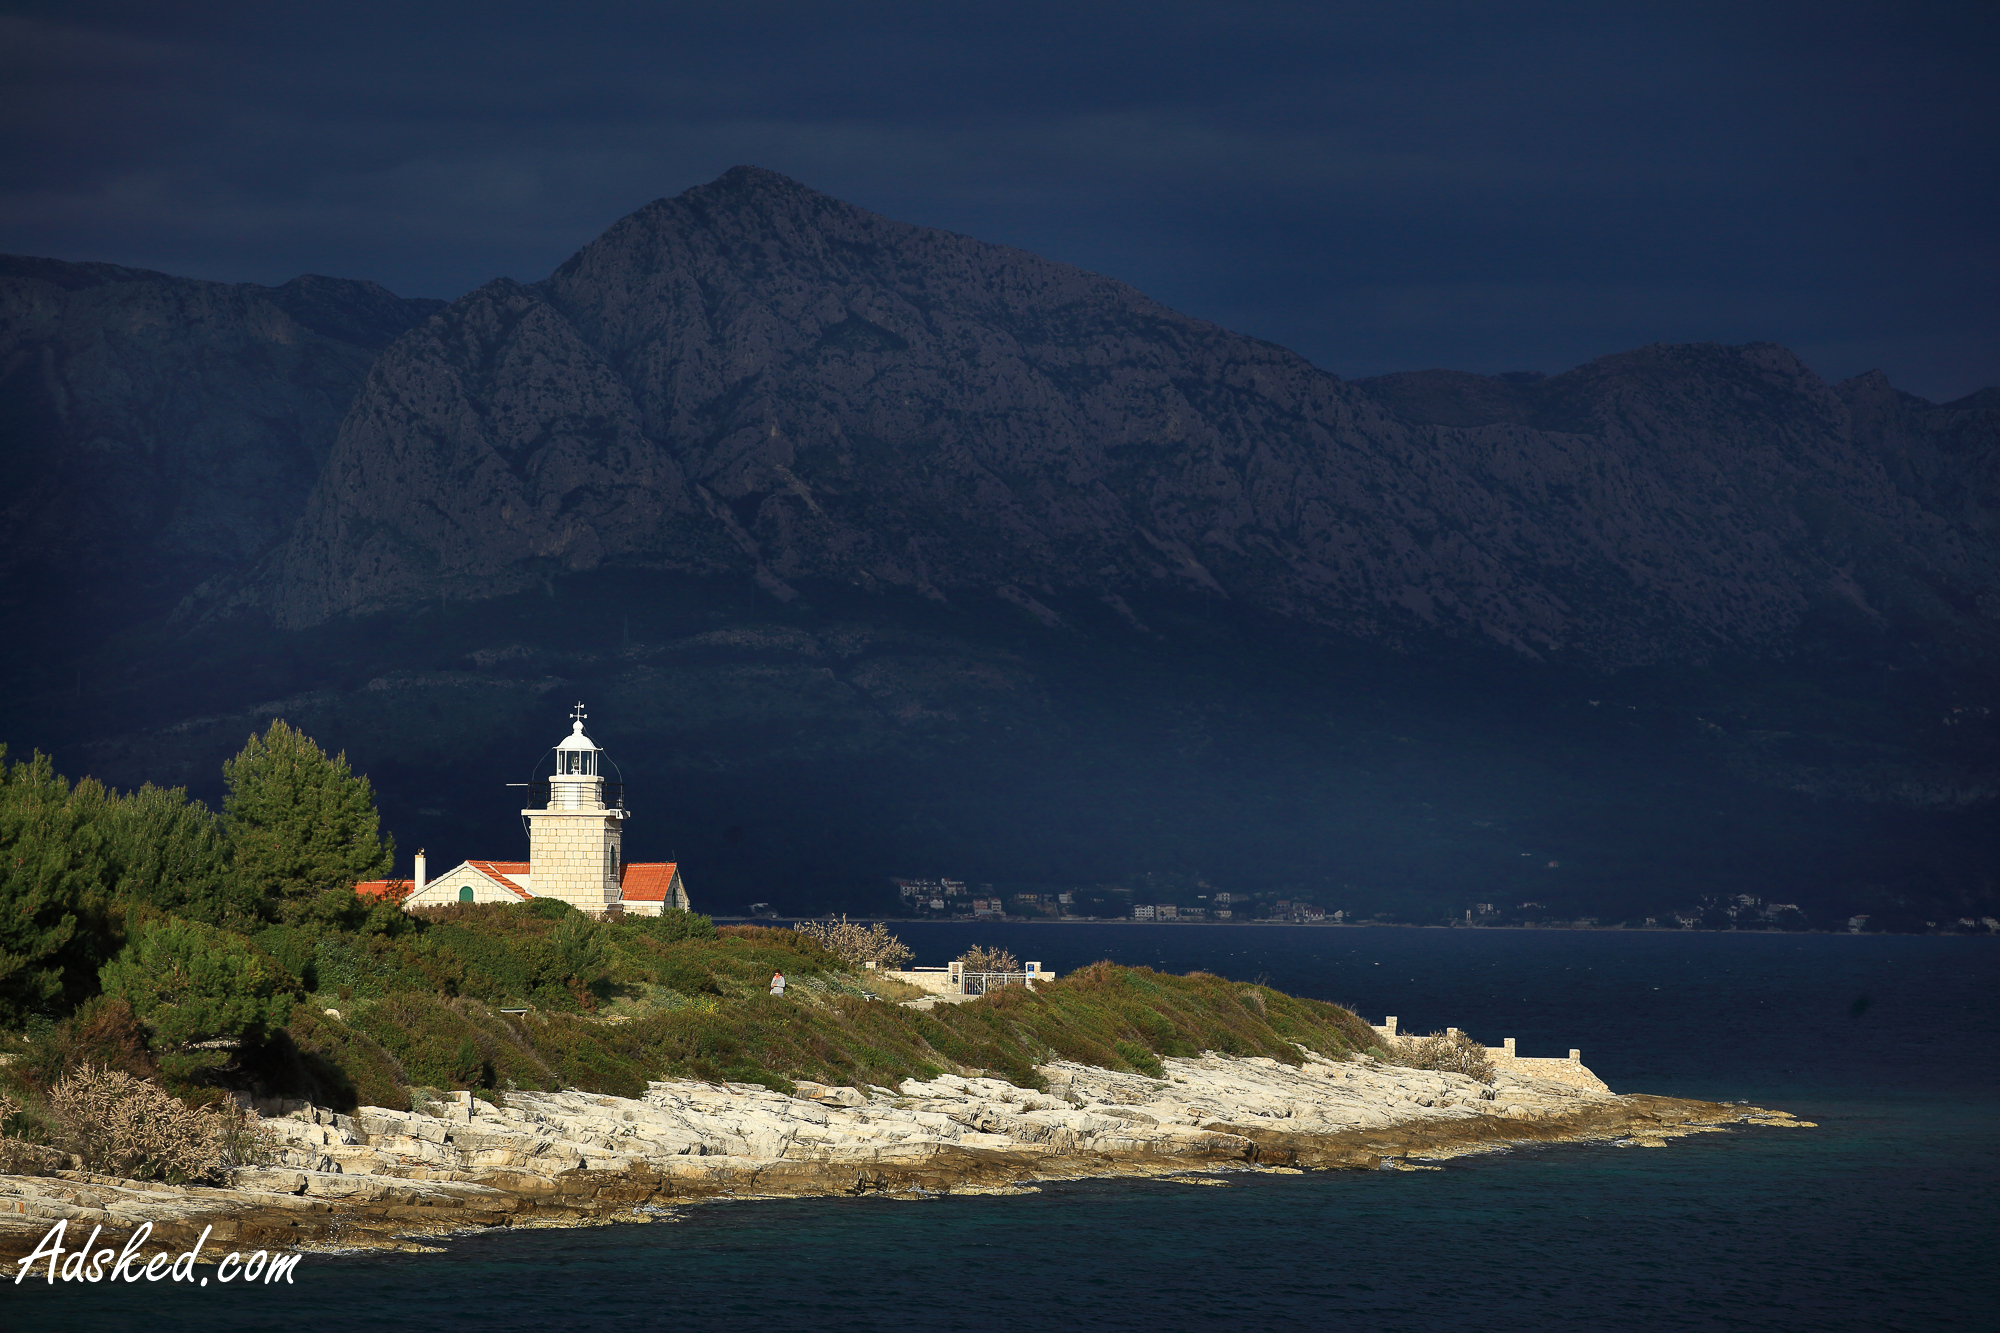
(580, 946)
(673, 925)
(334, 1063)
(297, 949)
(191, 982)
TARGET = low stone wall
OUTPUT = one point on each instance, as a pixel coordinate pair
(949, 980)
(1571, 1071)
(937, 980)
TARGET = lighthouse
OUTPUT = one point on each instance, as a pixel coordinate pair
(574, 840)
(576, 851)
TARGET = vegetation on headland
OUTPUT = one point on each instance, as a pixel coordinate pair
(1447, 1052)
(144, 938)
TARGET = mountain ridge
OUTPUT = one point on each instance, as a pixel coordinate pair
(756, 376)
(156, 431)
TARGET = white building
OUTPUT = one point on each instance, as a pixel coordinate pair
(575, 852)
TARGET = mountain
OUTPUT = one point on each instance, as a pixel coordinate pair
(159, 431)
(877, 550)
(754, 376)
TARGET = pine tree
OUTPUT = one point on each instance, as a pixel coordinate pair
(300, 824)
(52, 875)
(169, 853)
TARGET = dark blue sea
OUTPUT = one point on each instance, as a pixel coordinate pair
(1885, 1217)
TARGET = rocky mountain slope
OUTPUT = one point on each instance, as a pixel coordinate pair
(157, 431)
(755, 376)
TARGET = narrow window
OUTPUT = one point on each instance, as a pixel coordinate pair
(465, 893)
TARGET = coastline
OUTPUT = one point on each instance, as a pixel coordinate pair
(1616, 928)
(391, 1180)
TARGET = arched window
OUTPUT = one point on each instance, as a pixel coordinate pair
(465, 893)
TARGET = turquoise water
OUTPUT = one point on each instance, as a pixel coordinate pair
(1883, 1218)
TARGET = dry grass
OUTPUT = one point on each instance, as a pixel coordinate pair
(1447, 1052)
(887, 987)
(123, 1126)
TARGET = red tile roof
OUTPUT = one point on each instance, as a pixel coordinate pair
(395, 890)
(498, 871)
(646, 881)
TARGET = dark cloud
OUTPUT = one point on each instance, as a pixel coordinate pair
(1380, 187)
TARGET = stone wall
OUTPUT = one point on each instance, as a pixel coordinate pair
(1570, 1072)
(947, 981)
(937, 980)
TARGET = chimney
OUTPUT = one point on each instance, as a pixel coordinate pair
(422, 876)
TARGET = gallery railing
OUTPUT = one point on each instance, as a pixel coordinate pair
(978, 983)
(542, 796)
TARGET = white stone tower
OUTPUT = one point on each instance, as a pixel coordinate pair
(574, 842)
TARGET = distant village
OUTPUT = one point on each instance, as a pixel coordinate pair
(1187, 899)
(956, 898)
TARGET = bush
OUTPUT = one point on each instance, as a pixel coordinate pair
(19, 1158)
(771, 940)
(579, 943)
(123, 1126)
(332, 1064)
(979, 958)
(190, 982)
(856, 944)
(1447, 1052)
(105, 1033)
(673, 925)
(515, 954)
(294, 947)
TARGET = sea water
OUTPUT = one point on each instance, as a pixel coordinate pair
(1884, 1217)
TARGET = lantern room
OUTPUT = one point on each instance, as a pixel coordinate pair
(578, 782)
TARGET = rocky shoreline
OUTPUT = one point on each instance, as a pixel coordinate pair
(382, 1179)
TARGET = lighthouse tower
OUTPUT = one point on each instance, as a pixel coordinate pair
(574, 841)
(575, 852)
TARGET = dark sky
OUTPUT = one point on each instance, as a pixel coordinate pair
(1381, 187)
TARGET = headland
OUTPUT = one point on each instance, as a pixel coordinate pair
(391, 1179)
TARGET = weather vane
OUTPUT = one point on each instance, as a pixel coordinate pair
(577, 714)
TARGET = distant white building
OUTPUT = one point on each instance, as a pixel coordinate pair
(575, 851)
